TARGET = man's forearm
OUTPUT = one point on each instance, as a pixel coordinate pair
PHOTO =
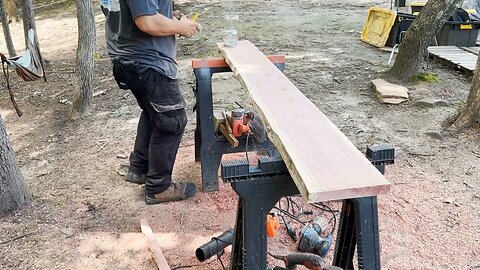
(158, 25)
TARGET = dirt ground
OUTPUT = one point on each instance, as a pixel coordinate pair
(82, 214)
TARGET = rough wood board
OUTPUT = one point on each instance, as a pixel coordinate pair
(324, 164)
(461, 57)
(152, 242)
(474, 50)
(443, 48)
(231, 139)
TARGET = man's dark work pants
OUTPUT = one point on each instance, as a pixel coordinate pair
(160, 128)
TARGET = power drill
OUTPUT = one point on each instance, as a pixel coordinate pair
(311, 240)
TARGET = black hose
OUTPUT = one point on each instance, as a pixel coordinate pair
(215, 246)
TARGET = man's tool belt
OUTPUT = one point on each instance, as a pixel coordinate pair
(124, 72)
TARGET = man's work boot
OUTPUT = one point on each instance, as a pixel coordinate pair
(135, 178)
(176, 192)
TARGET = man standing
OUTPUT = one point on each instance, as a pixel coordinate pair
(141, 43)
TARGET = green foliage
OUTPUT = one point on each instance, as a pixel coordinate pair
(426, 77)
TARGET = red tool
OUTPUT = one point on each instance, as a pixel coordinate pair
(239, 122)
(273, 224)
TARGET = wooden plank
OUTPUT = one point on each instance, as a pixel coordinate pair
(220, 62)
(446, 52)
(217, 120)
(445, 48)
(463, 61)
(474, 50)
(464, 57)
(322, 161)
(463, 53)
(154, 246)
(229, 136)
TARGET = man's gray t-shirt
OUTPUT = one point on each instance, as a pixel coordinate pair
(125, 39)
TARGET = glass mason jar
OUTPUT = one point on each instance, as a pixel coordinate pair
(230, 34)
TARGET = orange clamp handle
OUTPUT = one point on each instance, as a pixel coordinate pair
(273, 224)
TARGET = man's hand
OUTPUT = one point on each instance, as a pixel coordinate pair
(177, 14)
(159, 25)
(189, 27)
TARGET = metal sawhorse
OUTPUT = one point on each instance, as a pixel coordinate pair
(209, 145)
(260, 188)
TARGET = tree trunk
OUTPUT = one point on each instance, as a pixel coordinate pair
(469, 114)
(82, 96)
(29, 20)
(420, 34)
(6, 30)
(13, 190)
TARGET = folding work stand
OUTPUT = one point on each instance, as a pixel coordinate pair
(209, 145)
(260, 187)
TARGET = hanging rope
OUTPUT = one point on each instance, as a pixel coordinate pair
(7, 79)
(29, 66)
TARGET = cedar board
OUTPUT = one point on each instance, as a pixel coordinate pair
(322, 161)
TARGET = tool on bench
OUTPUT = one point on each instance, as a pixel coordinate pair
(240, 123)
(310, 261)
(215, 246)
(311, 240)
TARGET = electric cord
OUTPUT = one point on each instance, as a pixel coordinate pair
(288, 206)
(291, 204)
(329, 209)
(246, 146)
(289, 215)
(219, 258)
(294, 202)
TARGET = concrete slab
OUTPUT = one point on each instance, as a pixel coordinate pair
(390, 93)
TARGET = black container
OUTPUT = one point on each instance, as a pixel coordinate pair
(400, 3)
(460, 30)
(401, 25)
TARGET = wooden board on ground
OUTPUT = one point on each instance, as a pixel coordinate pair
(444, 48)
(154, 247)
(474, 50)
(462, 57)
(324, 164)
